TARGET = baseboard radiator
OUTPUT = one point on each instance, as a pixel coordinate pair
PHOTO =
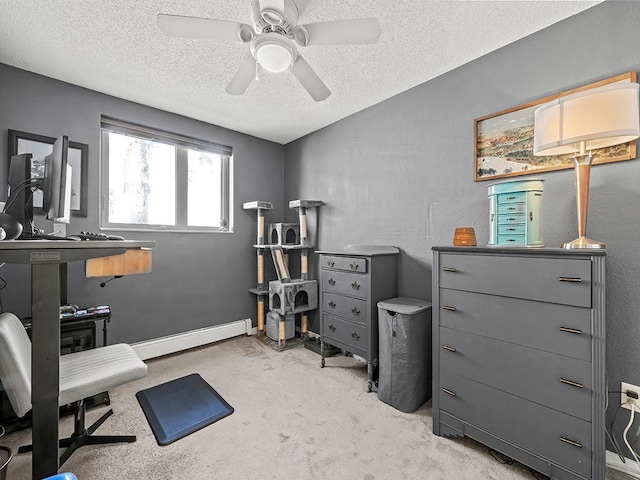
(158, 347)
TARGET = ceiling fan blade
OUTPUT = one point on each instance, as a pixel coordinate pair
(310, 80)
(243, 77)
(277, 5)
(360, 31)
(206, 28)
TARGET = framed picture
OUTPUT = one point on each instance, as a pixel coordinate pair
(503, 141)
(78, 159)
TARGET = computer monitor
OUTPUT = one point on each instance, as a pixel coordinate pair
(56, 200)
(56, 187)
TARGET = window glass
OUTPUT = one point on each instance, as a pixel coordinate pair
(203, 185)
(142, 181)
(161, 181)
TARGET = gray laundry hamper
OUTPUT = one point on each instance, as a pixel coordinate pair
(404, 379)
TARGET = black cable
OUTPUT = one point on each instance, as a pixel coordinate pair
(102, 284)
(21, 186)
(502, 458)
(506, 460)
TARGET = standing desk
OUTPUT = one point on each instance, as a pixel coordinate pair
(48, 260)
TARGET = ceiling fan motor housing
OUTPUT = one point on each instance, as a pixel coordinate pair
(269, 20)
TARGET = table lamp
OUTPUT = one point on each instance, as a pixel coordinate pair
(578, 123)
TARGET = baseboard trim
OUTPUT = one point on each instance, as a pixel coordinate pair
(630, 467)
(158, 347)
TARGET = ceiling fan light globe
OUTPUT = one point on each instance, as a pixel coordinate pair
(274, 57)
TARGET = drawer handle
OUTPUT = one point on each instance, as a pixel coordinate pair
(332, 327)
(448, 269)
(511, 219)
(570, 279)
(511, 198)
(450, 308)
(332, 304)
(571, 442)
(331, 282)
(511, 229)
(354, 266)
(355, 336)
(447, 347)
(571, 330)
(331, 263)
(511, 208)
(449, 392)
(571, 382)
(510, 240)
(355, 311)
(531, 216)
(355, 286)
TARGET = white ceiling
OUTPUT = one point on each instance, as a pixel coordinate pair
(115, 47)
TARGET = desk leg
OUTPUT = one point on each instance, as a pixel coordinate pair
(45, 367)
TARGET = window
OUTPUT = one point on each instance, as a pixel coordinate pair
(153, 180)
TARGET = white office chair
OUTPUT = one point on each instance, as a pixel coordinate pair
(82, 375)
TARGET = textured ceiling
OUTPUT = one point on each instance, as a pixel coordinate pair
(115, 47)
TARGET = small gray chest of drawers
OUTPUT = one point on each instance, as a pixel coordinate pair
(353, 281)
(519, 354)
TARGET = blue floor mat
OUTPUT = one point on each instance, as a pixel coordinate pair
(182, 406)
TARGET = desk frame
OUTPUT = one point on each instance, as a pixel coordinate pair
(48, 259)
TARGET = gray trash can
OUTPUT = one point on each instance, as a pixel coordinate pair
(404, 378)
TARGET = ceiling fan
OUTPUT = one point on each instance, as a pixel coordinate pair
(272, 40)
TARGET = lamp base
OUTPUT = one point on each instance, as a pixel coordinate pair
(583, 242)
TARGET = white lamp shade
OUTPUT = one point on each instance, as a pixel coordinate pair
(600, 117)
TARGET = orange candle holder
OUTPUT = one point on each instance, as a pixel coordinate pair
(464, 236)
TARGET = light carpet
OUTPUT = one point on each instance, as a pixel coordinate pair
(292, 420)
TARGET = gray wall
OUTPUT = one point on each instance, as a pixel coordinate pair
(198, 280)
(401, 172)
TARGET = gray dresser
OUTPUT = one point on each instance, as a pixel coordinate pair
(519, 354)
(353, 281)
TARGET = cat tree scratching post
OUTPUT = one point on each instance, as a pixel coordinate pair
(261, 291)
(301, 206)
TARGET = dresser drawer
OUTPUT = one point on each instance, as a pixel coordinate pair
(516, 420)
(512, 229)
(347, 335)
(559, 382)
(511, 208)
(511, 239)
(561, 329)
(510, 219)
(512, 197)
(349, 264)
(549, 279)
(352, 309)
(353, 284)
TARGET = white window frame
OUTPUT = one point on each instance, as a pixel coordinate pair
(182, 145)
